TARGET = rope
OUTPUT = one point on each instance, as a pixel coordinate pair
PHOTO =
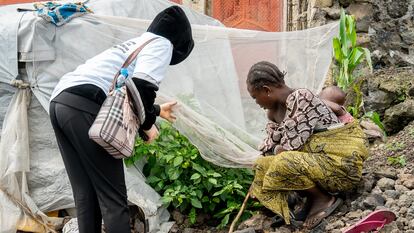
(19, 84)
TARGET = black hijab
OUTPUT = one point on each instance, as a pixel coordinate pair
(173, 24)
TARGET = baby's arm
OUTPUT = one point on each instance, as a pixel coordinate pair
(336, 108)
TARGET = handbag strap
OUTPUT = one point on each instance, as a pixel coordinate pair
(128, 61)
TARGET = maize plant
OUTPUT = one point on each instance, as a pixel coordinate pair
(347, 54)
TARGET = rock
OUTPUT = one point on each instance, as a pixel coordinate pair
(389, 227)
(410, 194)
(357, 204)
(189, 230)
(335, 225)
(333, 13)
(255, 222)
(403, 210)
(386, 184)
(372, 135)
(247, 230)
(354, 214)
(404, 221)
(410, 212)
(404, 200)
(372, 130)
(372, 201)
(407, 34)
(323, 3)
(362, 13)
(390, 203)
(318, 18)
(401, 58)
(376, 190)
(398, 116)
(360, 10)
(393, 194)
(390, 173)
(400, 223)
(366, 212)
(336, 231)
(380, 208)
(368, 183)
(383, 88)
(377, 101)
(401, 188)
(398, 8)
(407, 180)
(363, 39)
(174, 229)
(345, 3)
(282, 230)
(202, 217)
(178, 217)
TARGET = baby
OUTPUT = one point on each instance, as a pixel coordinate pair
(334, 97)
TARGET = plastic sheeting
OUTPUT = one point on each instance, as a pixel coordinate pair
(215, 112)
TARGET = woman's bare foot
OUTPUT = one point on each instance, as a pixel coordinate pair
(320, 209)
(319, 204)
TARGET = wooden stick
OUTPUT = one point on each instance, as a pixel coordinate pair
(233, 224)
(28, 212)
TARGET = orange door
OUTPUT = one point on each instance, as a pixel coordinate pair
(7, 2)
(263, 15)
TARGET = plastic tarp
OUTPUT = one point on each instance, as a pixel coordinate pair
(215, 111)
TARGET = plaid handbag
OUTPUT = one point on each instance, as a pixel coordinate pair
(121, 114)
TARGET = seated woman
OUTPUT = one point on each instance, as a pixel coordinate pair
(312, 164)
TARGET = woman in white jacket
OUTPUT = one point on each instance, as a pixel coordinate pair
(97, 178)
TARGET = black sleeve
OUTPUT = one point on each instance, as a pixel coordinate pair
(147, 92)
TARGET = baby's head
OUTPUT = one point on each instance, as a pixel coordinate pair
(333, 94)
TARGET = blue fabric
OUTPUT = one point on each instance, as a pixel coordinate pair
(59, 14)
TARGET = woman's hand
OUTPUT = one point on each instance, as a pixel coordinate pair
(152, 134)
(167, 110)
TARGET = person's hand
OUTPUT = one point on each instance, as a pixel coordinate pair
(167, 111)
(152, 133)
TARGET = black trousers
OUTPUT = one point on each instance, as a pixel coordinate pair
(97, 178)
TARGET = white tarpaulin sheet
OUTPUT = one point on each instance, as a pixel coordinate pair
(215, 112)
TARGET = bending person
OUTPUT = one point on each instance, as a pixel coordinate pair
(96, 177)
(312, 164)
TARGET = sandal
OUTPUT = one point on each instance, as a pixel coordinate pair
(318, 217)
(373, 222)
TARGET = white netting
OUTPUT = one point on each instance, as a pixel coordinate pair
(215, 112)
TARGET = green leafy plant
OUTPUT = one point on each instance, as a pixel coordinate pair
(395, 146)
(347, 54)
(189, 183)
(397, 160)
